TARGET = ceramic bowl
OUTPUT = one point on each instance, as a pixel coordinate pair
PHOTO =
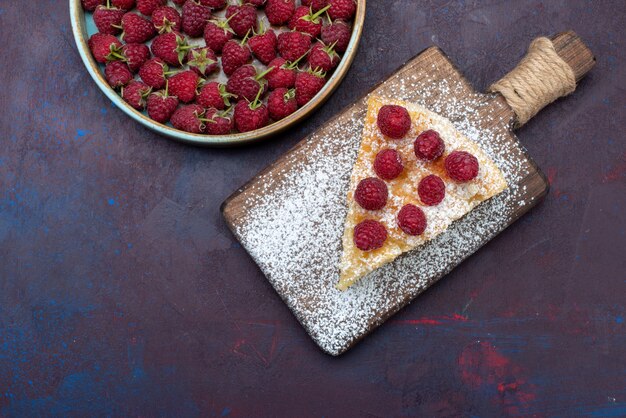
(83, 27)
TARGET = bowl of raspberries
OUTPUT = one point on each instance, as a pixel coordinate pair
(217, 72)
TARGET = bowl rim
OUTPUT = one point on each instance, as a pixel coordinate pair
(79, 29)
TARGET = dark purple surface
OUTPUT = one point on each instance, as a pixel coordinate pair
(123, 293)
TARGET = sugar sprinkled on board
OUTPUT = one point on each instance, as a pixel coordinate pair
(294, 219)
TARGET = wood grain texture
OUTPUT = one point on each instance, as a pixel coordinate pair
(431, 67)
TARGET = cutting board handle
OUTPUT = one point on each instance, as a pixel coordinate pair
(550, 70)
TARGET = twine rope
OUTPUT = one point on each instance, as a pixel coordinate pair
(540, 78)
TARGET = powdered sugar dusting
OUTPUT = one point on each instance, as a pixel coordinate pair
(294, 217)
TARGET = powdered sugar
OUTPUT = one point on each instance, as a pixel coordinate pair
(294, 217)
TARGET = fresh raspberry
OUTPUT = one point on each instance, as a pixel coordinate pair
(242, 19)
(195, 17)
(279, 12)
(412, 220)
(323, 57)
(171, 47)
(245, 82)
(306, 21)
(189, 119)
(371, 193)
(429, 146)
(117, 74)
(308, 84)
(337, 33)
(135, 94)
(217, 123)
(108, 19)
(146, 7)
(263, 46)
(166, 19)
(341, 9)
(388, 164)
(184, 85)
(431, 190)
(250, 116)
(369, 235)
(214, 95)
(161, 106)
(135, 55)
(234, 55)
(394, 121)
(90, 5)
(282, 103)
(137, 29)
(283, 74)
(123, 4)
(461, 166)
(203, 61)
(214, 4)
(152, 72)
(315, 5)
(293, 45)
(216, 34)
(101, 46)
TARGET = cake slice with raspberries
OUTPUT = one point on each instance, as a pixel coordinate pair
(414, 175)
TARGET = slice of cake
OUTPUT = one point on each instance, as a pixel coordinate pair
(414, 175)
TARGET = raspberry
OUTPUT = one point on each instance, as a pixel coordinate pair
(337, 33)
(184, 85)
(135, 94)
(371, 193)
(137, 29)
(214, 95)
(217, 123)
(315, 4)
(283, 74)
(117, 74)
(412, 220)
(461, 166)
(101, 46)
(203, 61)
(341, 9)
(394, 121)
(189, 119)
(152, 72)
(147, 7)
(388, 164)
(161, 106)
(431, 190)
(282, 103)
(242, 19)
(429, 146)
(194, 18)
(279, 12)
(293, 45)
(136, 55)
(369, 235)
(216, 34)
(308, 84)
(166, 19)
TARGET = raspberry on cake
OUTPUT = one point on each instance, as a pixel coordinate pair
(429, 146)
(409, 188)
(431, 190)
(394, 121)
(371, 193)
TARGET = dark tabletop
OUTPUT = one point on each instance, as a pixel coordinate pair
(123, 293)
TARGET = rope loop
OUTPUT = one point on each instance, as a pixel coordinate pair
(540, 78)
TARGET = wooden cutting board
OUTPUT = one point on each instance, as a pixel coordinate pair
(290, 216)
